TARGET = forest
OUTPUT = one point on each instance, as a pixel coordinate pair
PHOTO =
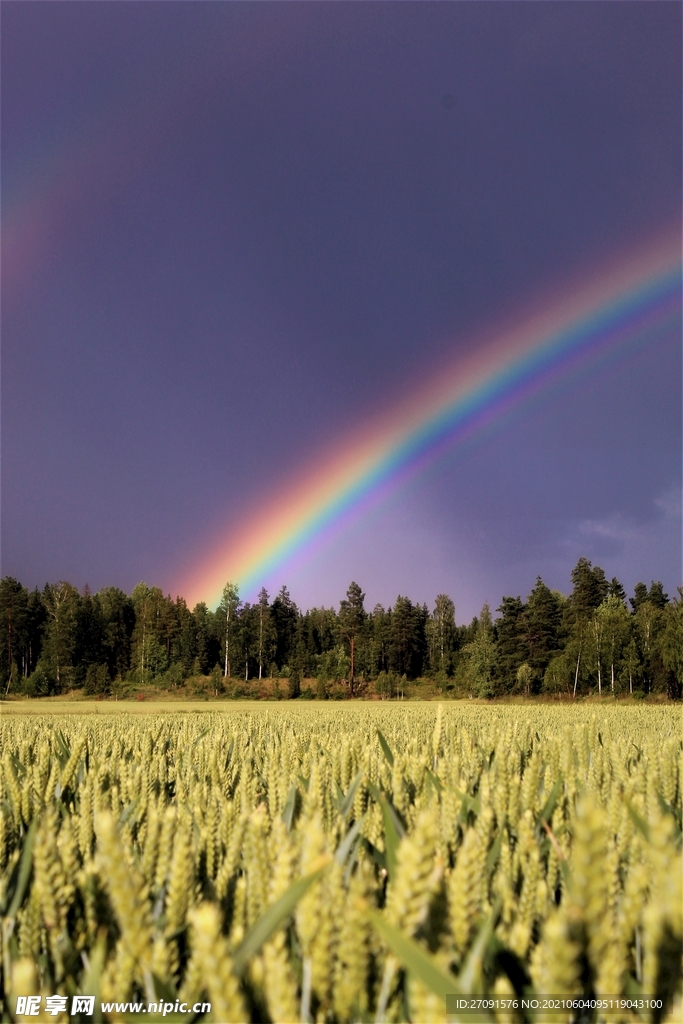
(593, 641)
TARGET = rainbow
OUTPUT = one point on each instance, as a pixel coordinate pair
(627, 304)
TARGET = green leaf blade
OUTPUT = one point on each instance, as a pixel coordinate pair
(414, 958)
(273, 917)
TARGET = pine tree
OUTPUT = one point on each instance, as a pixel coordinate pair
(590, 587)
(639, 596)
(616, 589)
(656, 595)
(294, 683)
(351, 621)
(543, 619)
(406, 640)
(284, 615)
(512, 648)
(118, 616)
(13, 620)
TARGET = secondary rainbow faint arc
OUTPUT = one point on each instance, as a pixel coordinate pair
(635, 297)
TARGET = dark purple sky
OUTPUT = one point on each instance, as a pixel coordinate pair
(231, 231)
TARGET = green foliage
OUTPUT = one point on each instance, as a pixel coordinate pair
(578, 645)
(543, 623)
(480, 656)
(442, 635)
(557, 678)
(39, 683)
(671, 641)
(512, 647)
(351, 622)
(294, 683)
(59, 640)
(525, 678)
(590, 588)
(97, 680)
(284, 614)
(227, 611)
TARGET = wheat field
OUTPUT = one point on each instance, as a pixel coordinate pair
(345, 863)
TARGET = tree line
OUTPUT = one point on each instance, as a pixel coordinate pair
(593, 640)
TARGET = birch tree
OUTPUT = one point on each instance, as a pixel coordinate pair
(230, 604)
(60, 601)
(649, 619)
(615, 627)
(671, 640)
(148, 651)
(481, 654)
(441, 627)
(598, 635)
